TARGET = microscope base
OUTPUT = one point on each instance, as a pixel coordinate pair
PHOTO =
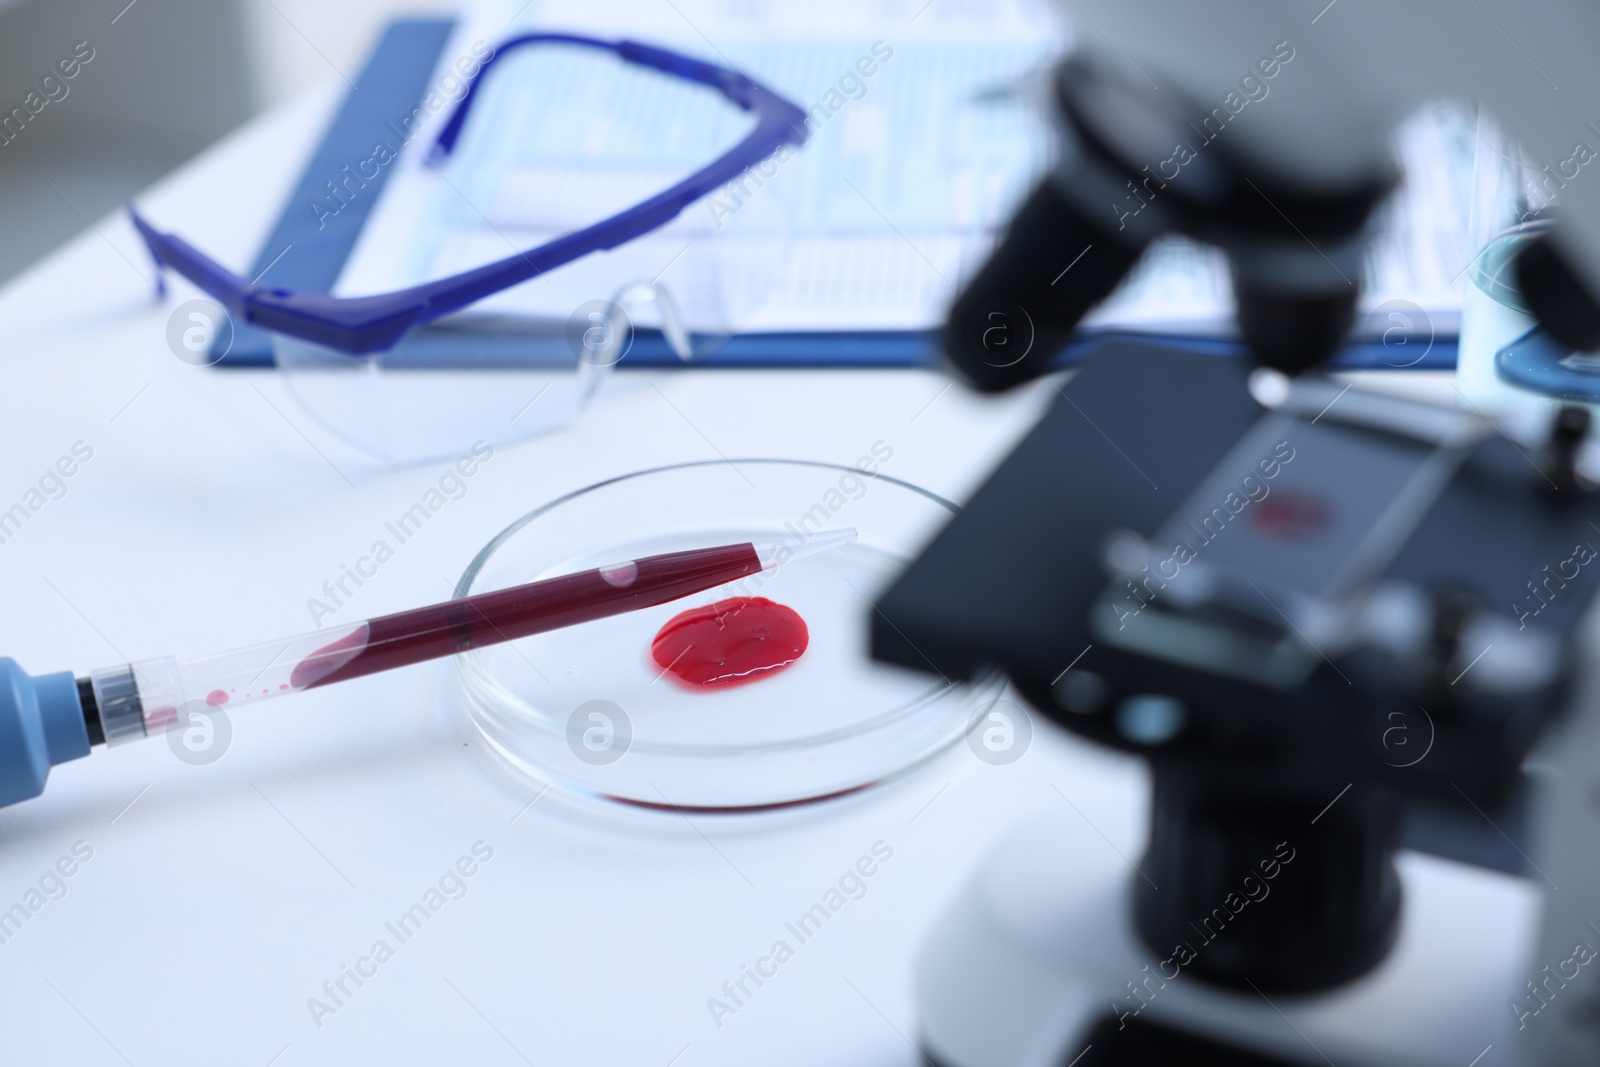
(1038, 958)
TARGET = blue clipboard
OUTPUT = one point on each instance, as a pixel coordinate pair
(308, 248)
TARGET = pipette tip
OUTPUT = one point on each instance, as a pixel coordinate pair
(776, 553)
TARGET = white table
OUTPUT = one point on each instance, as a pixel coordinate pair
(219, 899)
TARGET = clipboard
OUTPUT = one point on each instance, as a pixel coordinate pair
(391, 86)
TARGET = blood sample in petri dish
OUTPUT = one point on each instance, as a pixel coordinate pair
(730, 642)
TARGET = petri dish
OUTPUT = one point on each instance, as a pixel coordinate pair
(589, 709)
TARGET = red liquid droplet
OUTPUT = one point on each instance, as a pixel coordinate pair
(216, 698)
(730, 642)
(1288, 517)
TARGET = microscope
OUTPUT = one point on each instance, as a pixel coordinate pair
(1309, 608)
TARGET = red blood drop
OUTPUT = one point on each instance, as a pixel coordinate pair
(1287, 517)
(216, 698)
(730, 642)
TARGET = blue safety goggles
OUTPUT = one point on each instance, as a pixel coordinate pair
(371, 324)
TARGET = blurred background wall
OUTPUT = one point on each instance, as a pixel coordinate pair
(166, 79)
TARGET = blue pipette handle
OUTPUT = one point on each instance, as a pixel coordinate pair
(41, 724)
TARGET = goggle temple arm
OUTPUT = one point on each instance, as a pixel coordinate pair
(446, 141)
(737, 88)
(174, 253)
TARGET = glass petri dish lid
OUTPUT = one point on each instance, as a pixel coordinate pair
(589, 709)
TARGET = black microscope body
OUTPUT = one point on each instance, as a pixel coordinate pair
(1309, 609)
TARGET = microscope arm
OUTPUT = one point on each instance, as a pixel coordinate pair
(1267, 130)
(1362, 67)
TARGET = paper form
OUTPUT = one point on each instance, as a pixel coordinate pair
(874, 224)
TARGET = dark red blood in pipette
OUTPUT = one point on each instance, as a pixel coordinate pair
(325, 661)
(506, 614)
(730, 642)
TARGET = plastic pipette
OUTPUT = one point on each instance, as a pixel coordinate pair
(57, 717)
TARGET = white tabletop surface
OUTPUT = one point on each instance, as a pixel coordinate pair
(218, 899)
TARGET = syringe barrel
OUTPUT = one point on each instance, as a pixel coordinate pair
(139, 699)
